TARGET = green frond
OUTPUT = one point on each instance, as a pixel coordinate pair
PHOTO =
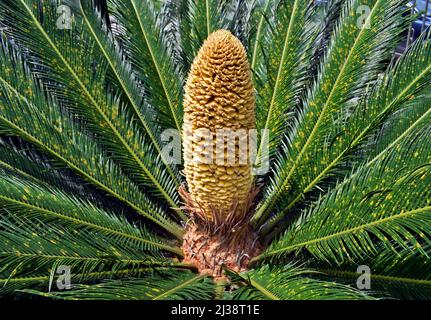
(387, 204)
(84, 109)
(405, 274)
(322, 135)
(204, 19)
(413, 117)
(42, 281)
(262, 17)
(32, 248)
(146, 117)
(290, 283)
(26, 113)
(173, 285)
(239, 16)
(67, 68)
(281, 82)
(403, 103)
(17, 162)
(54, 207)
(197, 19)
(20, 256)
(405, 89)
(24, 161)
(147, 53)
(327, 18)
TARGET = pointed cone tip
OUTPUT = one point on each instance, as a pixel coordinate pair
(224, 37)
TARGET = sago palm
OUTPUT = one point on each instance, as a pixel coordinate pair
(337, 137)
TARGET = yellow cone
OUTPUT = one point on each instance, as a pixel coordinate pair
(219, 94)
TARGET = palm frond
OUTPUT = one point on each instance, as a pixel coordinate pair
(199, 18)
(175, 285)
(400, 107)
(148, 55)
(290, 283)
(262, 17)
(21, 163)
(387, 204)
(321, 137)
(405, 89)
(25, 112)
(327, 17)
(125, 83)
(68, 69)
(29, 248)
(54, 207)
(405, 274)
(84, 111)
(42, 281)
(282, 83)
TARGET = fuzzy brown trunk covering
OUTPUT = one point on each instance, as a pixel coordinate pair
(221, 242)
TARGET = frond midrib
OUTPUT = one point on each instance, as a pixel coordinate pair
(341, 233)
(98, 108)
(92, 225)
(414, 281)
(259, 287)
(129, 96)
(174, 230)
(179, 287)
(263, 210)
(156, 65)
(277, 79)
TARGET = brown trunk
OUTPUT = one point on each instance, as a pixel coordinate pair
(222, 242)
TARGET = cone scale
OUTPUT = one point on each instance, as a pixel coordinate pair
(219, 114)
(219, 95)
